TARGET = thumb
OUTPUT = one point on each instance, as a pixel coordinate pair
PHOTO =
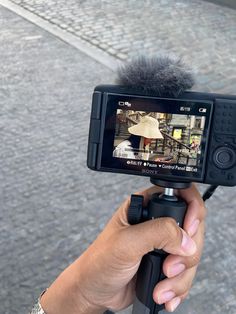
(161, 233)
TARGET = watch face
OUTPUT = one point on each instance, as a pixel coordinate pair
(37, 309)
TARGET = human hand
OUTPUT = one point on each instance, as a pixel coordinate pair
(104, 276)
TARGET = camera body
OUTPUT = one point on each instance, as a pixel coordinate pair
(191, 138)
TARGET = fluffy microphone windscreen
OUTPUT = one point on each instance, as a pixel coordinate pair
(162, 76)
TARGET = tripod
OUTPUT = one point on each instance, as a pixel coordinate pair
(165, 204)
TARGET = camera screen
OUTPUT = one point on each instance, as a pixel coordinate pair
(169, 139)
(162, 138)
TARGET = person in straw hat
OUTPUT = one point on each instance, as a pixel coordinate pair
(137, 145)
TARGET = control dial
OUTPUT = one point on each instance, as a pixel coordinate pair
(224, 157)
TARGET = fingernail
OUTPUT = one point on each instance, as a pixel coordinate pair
(188, 245)
(193, 228)
(176, 269)
(175, 303)
(166, 296)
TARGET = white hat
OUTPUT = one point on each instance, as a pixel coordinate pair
(148, 127)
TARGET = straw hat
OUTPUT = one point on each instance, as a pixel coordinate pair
(148, 127)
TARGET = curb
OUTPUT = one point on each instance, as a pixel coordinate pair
(95, 53)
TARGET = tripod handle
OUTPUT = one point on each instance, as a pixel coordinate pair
(149, 274)
(150, 270)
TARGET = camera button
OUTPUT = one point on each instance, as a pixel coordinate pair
(224, 157)
(230, 176)
(218, 138)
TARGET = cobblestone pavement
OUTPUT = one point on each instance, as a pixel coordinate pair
(51, 206)
(202, 32)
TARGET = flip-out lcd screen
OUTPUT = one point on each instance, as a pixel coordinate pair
(157, 137)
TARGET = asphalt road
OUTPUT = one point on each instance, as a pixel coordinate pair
(52, 206)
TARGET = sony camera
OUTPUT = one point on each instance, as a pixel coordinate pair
(184, 139)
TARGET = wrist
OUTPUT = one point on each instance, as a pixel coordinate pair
(65, 295)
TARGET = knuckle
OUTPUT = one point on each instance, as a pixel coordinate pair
(171, 231)
(185, 283)
(192, 261)
(204, 231)
(158, 228)
(195, 259)
(202, 209)
(184, 296)
(204, 212)
(185, 286)
(189, 285)
(170, 226)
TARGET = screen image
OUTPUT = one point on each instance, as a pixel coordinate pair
(165, 138)
(155, 137)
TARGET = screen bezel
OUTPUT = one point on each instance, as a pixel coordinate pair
(106, 162)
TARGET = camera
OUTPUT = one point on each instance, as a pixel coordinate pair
(191, 138)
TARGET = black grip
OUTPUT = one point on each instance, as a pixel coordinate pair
(149, 274)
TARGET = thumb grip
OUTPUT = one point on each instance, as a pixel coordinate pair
(149, 274)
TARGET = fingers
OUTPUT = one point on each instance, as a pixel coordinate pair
(174, 303)
(174, 264)
(168, 290)
(196, 212)
(180, 272)
(161, 233)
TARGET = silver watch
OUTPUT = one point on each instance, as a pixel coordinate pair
(37, 309)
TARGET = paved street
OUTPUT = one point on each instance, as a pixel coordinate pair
(205, 34)
(52, 206)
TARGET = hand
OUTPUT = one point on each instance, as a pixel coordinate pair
(104, 276)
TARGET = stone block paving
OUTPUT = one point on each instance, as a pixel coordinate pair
(52, 206)
(201, 32)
